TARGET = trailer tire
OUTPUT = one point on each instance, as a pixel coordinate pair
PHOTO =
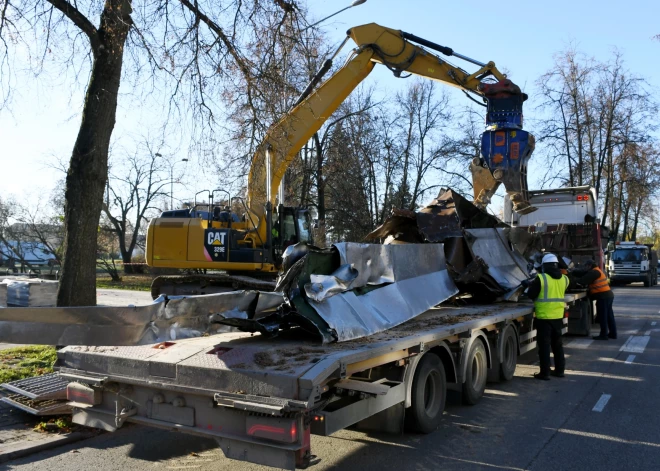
(428, 395)
(509, 358)
(476, 373)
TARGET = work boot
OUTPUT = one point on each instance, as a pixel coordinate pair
(600, 337)
(558, 374)
(542, 377)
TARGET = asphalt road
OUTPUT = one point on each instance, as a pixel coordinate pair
(602, 416)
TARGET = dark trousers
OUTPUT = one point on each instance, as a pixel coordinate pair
(548, 336)
(606, 317)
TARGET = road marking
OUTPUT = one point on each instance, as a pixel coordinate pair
(629, 332)
(579, 343)
(497, 392)
(648, 332)
(630, 359)
(602, 402)
(635, 344)
(652, 323)
(604, 437)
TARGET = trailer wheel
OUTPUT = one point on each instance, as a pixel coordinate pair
(476, 374)
(428, 394)
(509, 354)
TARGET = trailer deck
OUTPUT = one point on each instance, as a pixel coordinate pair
(286, 366)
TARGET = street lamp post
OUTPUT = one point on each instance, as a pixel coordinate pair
(353, 4)
(172, 179)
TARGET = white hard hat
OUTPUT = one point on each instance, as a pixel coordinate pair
(550, 258)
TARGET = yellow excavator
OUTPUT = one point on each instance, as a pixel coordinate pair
(249, 248)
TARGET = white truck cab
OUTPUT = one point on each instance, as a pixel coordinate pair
(633, 261)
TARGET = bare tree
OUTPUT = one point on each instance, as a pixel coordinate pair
(134, 186)
(595, 111)
(195, 54)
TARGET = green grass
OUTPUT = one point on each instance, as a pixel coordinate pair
(131, 282)
(25, 362)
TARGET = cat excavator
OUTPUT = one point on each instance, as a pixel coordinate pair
(249, 249)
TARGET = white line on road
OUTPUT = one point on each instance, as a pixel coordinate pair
(648, 332)
(630, 359)
(602, 402)
(579, 343)
(653, 323)
(635, 344)
(629, 332)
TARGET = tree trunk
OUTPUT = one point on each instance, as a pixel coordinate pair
(88, 169)
(637, 212)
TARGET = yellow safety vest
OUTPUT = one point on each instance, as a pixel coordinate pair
(550, 304)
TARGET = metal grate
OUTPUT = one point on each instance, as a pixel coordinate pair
(49, 386)
(48, 407)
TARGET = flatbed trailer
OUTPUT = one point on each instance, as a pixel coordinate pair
(262, 398)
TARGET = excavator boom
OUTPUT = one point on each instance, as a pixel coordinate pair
(506, 147)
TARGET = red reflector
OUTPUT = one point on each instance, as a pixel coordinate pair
(163, 345)
(586, 197)
(218, 351)
(281, 430)
(76, 392)
(580, 198)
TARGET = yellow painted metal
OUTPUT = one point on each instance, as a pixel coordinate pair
(177, 244)
(289, 135)
(376, 44)
(229, 266)
(484, 184)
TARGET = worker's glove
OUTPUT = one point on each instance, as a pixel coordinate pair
(525, 283)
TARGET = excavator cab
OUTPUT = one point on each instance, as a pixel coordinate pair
(292, 225)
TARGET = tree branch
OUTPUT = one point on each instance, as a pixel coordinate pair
(79, 20)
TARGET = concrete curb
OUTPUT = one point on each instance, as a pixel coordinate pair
(25, 448)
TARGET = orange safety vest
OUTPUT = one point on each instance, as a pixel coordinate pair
(600, 285)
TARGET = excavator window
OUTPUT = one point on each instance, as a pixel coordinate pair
(289, 236)
(303, 226)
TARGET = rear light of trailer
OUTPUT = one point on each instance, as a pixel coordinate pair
(277, 429)
(82, 394)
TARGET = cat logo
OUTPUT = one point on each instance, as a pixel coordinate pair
(215, 238)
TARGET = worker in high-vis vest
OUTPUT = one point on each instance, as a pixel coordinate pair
(599, 291)
(547, 290)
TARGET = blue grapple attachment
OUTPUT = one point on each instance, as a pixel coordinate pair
(505, 148)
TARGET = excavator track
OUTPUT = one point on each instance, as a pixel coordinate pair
(190, 285)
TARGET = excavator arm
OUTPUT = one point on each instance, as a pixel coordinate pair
(506, 148)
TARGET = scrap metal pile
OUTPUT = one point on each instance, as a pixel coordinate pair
(347, 291)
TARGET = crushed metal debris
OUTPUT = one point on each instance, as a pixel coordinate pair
(346, 292)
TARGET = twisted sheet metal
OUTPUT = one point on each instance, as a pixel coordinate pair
(415, 279)
(165, 319)
(506, 266)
